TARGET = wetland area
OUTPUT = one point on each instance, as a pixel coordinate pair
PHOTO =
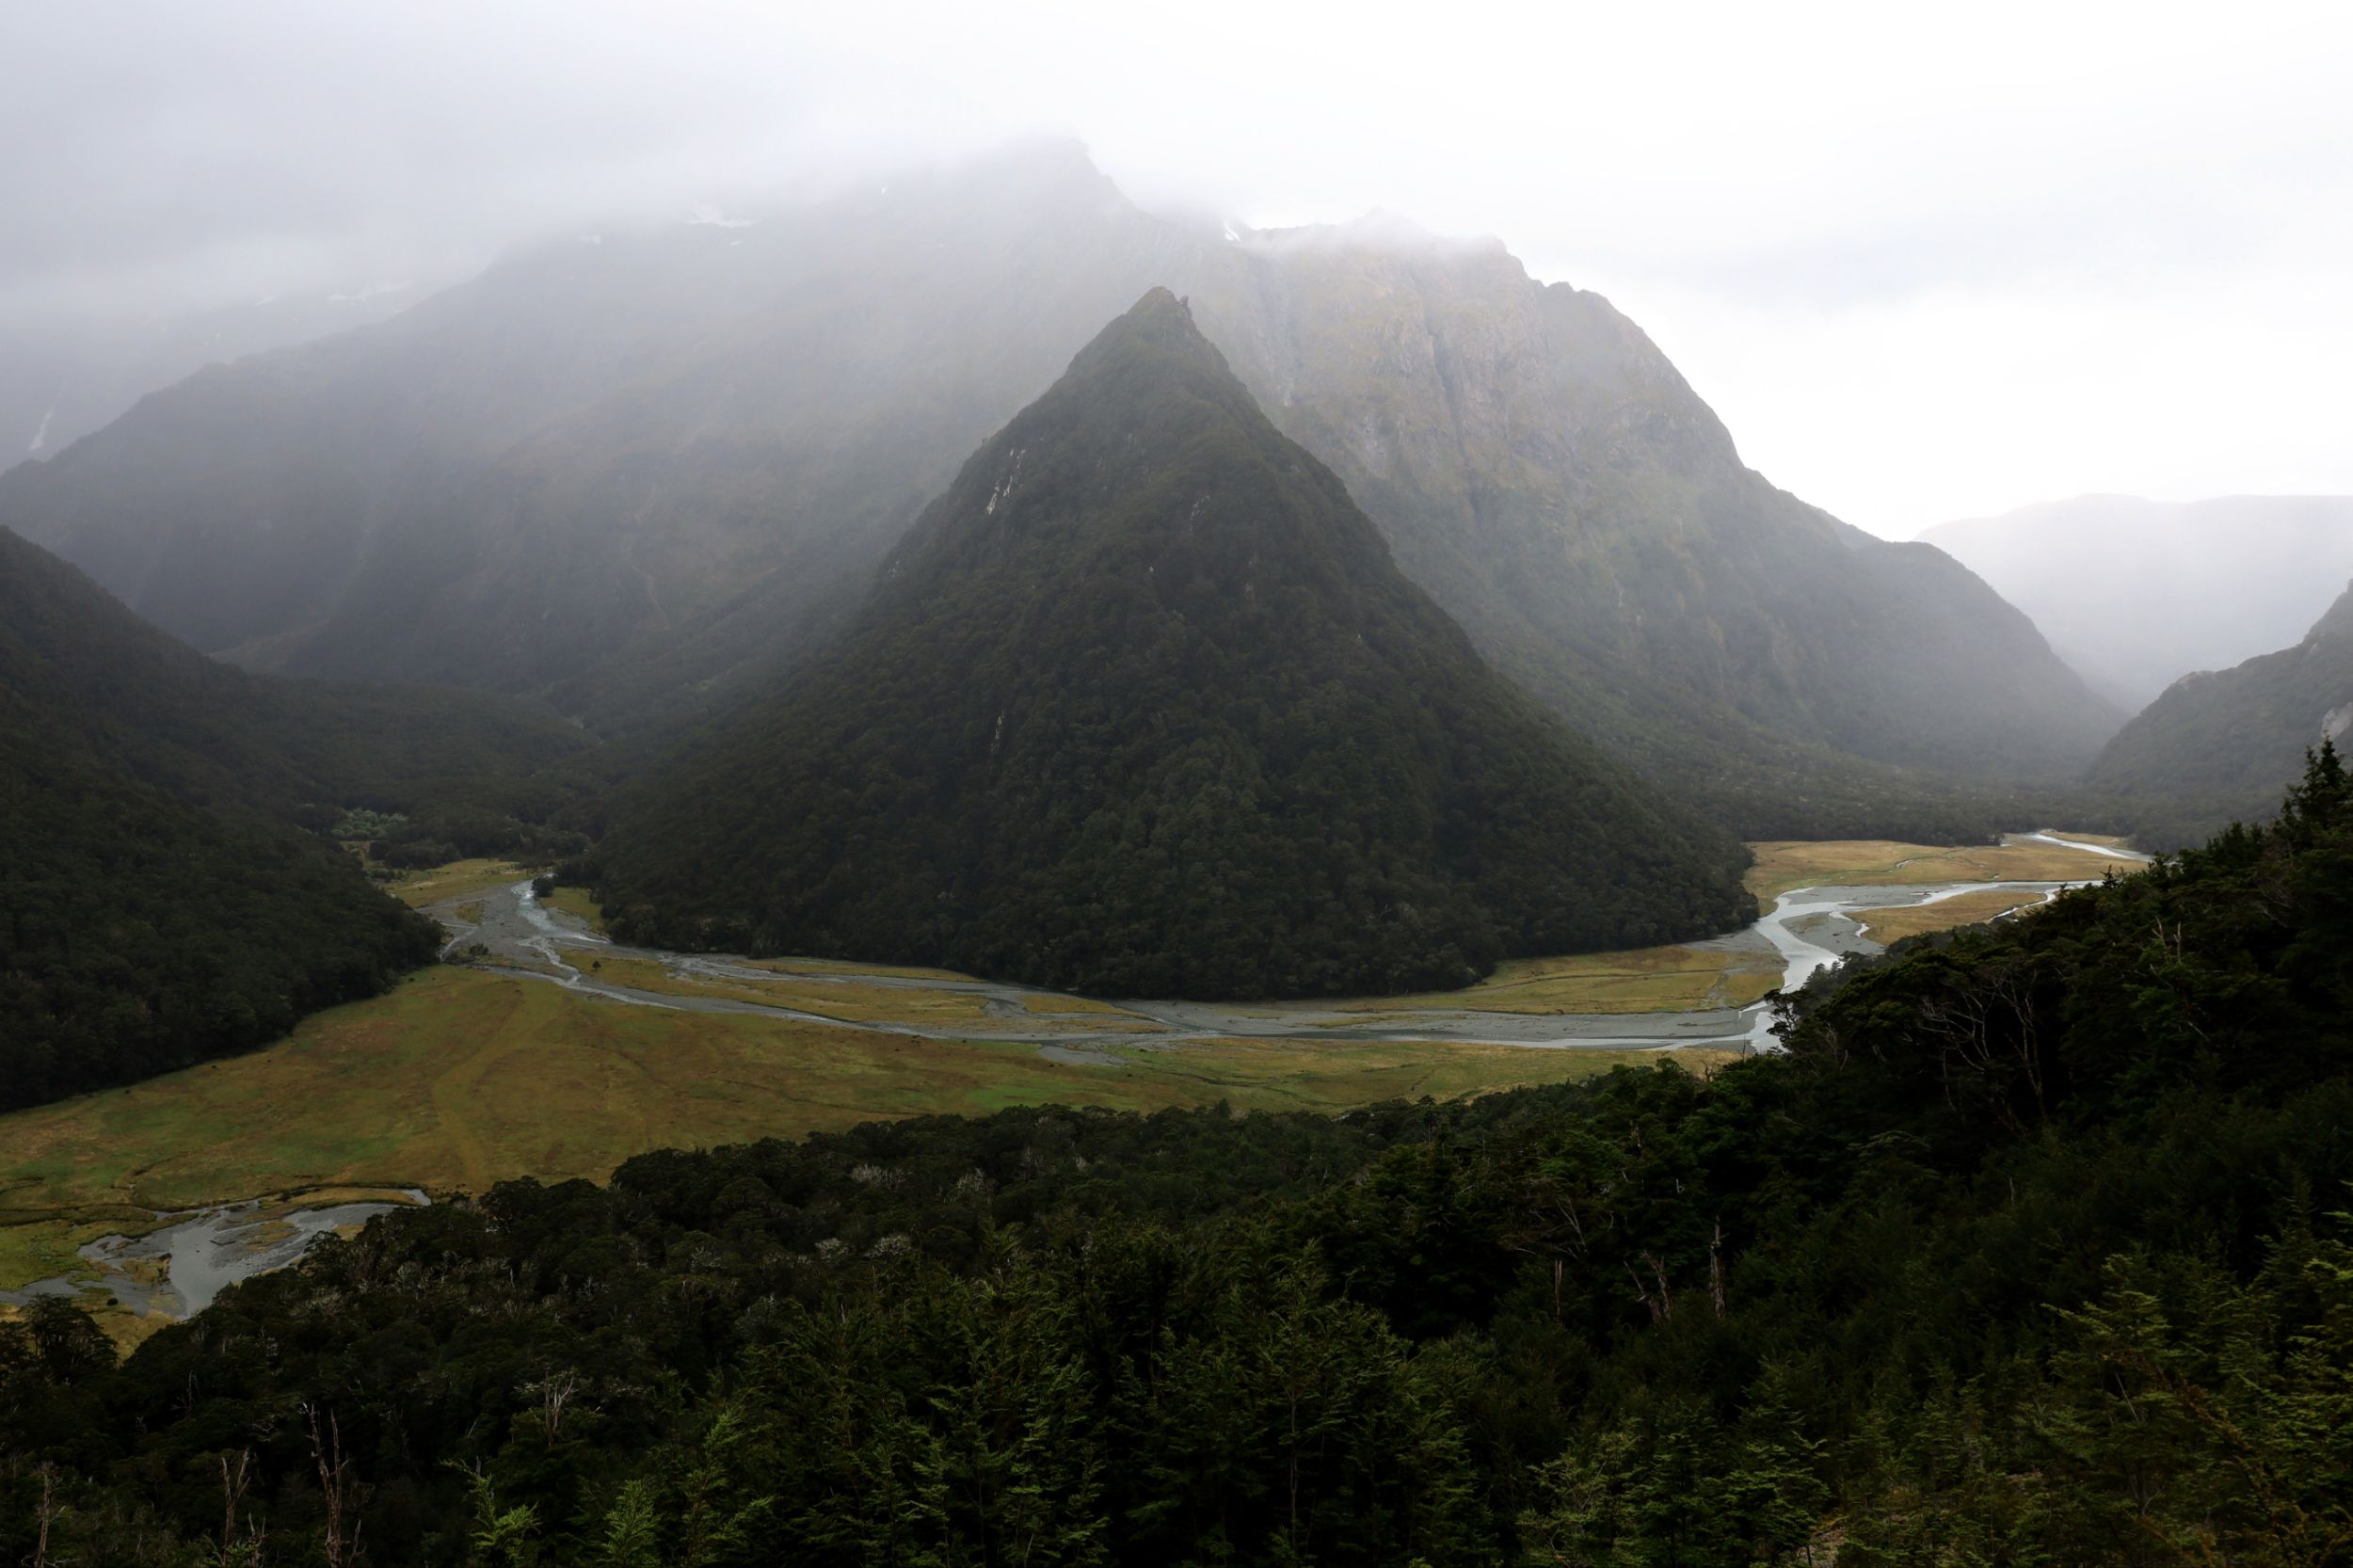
(546, 1049)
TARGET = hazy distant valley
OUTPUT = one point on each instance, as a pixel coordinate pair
(2135, 595)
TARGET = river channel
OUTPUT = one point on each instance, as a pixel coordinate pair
(177, 1268)
(1806, 929)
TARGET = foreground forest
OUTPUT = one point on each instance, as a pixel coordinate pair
(2034, 1248)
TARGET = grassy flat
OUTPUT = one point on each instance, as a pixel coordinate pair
(1055, 1002)
(576, 902)
(1891, 925)
(458, 879)
(842, 1000)
(2106, 840)
(847, 967)
(460, 1077)
(1647, 980)
(1782, 865)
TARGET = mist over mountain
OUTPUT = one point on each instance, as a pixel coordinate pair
(1142, 707)
(641, 464)
(2198, 758)
(64, 377)
(2136, 594)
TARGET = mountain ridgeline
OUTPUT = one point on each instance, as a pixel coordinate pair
(1142, 706)
(635, 476)
(2202, 754)
(158, 903)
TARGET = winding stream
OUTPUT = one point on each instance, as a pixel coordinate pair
(202, 1252)
(181, 1265)
(1806, 931)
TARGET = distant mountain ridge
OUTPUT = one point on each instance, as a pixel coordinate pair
(627, 475)
(2213, 747)
(63, 377)
(1142, 706)
(2137, 594)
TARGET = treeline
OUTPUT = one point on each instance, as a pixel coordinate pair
(2033, 1248)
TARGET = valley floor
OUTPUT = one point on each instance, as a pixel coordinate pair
(556, 1054)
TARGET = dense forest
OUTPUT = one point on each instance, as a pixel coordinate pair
(2034, 1248)
(167, 890)
(1144, 708)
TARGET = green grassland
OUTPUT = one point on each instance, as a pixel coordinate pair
(848, 995)
(576, 902)
(844, 999)
(1648, 980)
(1781, 865)
(1884, 926)
(458, 879)
(460, 1077)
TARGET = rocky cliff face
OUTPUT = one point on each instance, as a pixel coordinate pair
(1544, 470)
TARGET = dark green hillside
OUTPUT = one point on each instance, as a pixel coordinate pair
(1142, 707)
(157, 908)
(139, 933)
(2035, 1249)
(2204, 753)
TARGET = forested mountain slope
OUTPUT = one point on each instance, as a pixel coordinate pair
(2033, 1248)
(620, 473)
(2198, 756)
(1142, 706)
(157, 905)
(2136, 594)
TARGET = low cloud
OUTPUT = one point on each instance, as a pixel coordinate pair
(1923, 263)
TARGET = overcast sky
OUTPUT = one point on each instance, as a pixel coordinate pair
(1926, 262)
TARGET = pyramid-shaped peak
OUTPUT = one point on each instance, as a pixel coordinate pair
(1141, 706)
(1159, 324)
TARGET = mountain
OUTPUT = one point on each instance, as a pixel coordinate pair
(1543, 468)
(631, 475)
(2136, 594)
(63, 377)
(1142, 706)
(157, 908)
(2214, 746)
